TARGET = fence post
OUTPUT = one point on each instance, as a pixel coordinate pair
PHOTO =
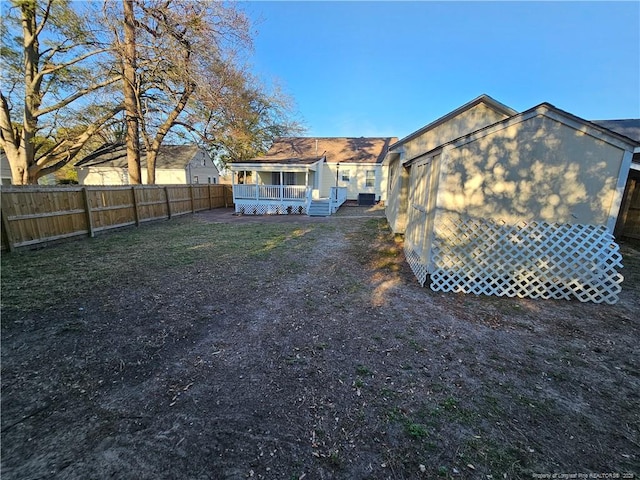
(7, 232)
(87, 209)
(209, 195)
(193, 205)
(166, 192)
(135, 206)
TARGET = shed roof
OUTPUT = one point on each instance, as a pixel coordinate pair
(308, 150)
(629, 127)
(486, 99)
(115, 155)
(550, 110)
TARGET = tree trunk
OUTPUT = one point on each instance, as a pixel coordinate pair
(26, 148)
(130, 94)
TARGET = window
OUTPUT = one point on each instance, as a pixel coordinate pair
(370, 180)
(345, 175)
(195, 179)
(215, 180)
(289, 178)
(208, 179)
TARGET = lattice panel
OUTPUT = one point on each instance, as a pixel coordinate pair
(535, 260)
(270, 209)
(419, 269)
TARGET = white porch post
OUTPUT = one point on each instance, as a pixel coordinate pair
(233, 186)
(281, 186)
(306, 181)
(255, 176)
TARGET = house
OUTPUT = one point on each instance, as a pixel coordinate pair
(5, 170)
(312, 176)
(175, 164)
(628, 224)
(7, 179)
(520, 204)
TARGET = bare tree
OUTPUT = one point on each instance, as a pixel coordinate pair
(176, 44)
(239, 117)
(53, 72)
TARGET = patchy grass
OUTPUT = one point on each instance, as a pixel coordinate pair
(301, 350)
(52, 276)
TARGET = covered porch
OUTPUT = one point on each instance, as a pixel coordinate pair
(282, 189)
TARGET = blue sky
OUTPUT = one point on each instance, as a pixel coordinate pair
(388, 68)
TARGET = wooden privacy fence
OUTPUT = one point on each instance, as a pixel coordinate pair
(38, 214)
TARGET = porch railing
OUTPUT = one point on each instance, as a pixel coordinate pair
(271, 192)
(337, 196)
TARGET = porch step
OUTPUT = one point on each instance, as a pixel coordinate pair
(319, 208)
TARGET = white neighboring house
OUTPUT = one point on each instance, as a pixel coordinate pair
(5, 169)
(5, 173)
(311, 175)
(175, 164)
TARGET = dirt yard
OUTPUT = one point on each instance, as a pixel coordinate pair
(219, 347)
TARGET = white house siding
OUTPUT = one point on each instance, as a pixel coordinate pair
(201, 169)
(102, 176)
(5, 170)
(357, 179)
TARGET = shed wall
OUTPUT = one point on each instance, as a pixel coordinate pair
(539, 169)
(397, 195)
(469, 121)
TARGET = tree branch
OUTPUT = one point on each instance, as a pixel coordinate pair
(75, 96)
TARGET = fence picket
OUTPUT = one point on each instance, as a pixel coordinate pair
(33, 215)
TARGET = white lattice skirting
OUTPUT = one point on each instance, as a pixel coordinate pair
(418, 268)
(270, 209)
(535, 260)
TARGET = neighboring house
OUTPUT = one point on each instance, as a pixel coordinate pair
(5, 173)
(628, 224)
(175, 164)
(311, 175)
(515, 205)
(5, 169)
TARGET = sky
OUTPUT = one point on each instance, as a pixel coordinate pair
(388, 68)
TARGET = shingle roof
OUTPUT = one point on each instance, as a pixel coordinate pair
(629, 128)
(115, 155)
(304, 150)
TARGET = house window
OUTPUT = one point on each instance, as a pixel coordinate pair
(215, 180)
(345, 175)
(289, 178)
(370, 180)
(208, 179)
(195, 179)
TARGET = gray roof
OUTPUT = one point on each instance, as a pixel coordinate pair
(629, 128)
(115, 155)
